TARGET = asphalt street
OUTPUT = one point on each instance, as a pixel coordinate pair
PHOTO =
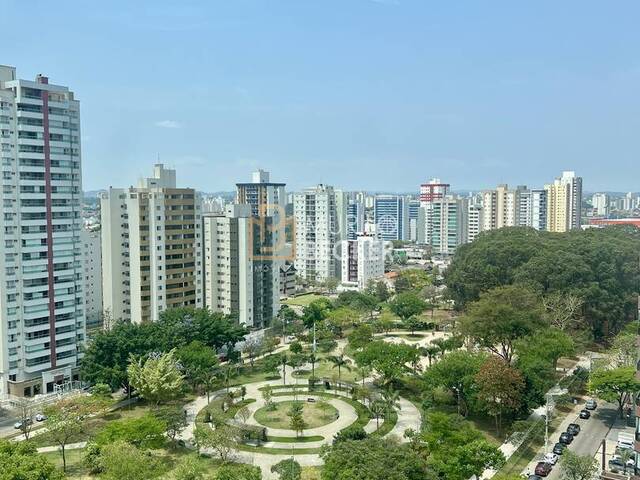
(592, 432)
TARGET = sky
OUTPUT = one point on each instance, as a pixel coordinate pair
(377, 95)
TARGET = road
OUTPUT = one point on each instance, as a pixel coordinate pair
(592, 432)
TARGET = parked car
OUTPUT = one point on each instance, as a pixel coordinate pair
(573, 429)
(585, 414)
(551, 458)
(617, 465)
(534, 477)
(566, 438)
(591, 404)
(40, 417)
(559, 448)
(543, 469)
(19, 425)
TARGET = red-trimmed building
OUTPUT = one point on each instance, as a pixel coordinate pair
(606, 222)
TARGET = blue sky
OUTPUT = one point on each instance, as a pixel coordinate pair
(361, 94)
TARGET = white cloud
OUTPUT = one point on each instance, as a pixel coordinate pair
(168, 124)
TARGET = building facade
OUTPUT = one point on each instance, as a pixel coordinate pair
(92, 274)
(151, 248)
(42, 317)
(362, 260)
(391, 217)
(564, 203)
(314, 212)
(355, 219)
(238, 267)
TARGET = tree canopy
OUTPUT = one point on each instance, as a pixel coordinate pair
(598, 266)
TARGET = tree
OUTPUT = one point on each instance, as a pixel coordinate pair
(331, 284)
(578, 467)
(412, 279)
(598, 266)
(26, 411)
(360, 336)
(313, 359)
(430, 351)
(388, 359)
(238, 472)
(316, 311)
(457, 451)
(340, 319)
(500, 388)
(158, 378)
(65, 421)
(501, 317)
(296, 418)
(221, 440)
(244, 414)
(385, 321)
(563, 310)
(352, 432)
(613, 385)
(251, 348)
(549, 344)
(431, 294)
(287, 469)
(406, 305)
(267, 394)
(391, 401)
(413, 323)
(20, 460)
(145, 432)
(174, 419)
(456, 372)
(340, 362)
(624, 349)
(189, 468)
(378, 409)
(373, 458)
(122, 460)
(198, 361)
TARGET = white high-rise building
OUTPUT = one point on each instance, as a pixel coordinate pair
(342, 204)
(238, 268)
(151, 248)
(474, 221)
(92, 274)
(362, 260)
(564, 203)
(600, 203)
(42, 317)
(314, 212)
(446, 222)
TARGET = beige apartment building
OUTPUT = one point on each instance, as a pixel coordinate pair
(151, 248)
(564, 203)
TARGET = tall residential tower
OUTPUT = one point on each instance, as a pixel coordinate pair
(42, 318)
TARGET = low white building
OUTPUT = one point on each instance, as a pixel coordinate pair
(362, 260)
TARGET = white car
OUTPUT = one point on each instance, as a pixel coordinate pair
(40, 417)
(551, 458)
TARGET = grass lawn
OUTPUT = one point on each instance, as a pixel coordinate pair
(310, 473)
(314, 414)
(324, 369)
(303, 300)
(93, 425)
(312, 438)
(416, 337)
(75, 468)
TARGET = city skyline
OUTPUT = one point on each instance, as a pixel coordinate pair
(353, 92)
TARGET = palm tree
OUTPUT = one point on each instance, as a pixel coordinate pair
(284, 361)
(378, 408)
(313, 359)
(364, 371)
(340, 361)
(430, 351)
(391, 400)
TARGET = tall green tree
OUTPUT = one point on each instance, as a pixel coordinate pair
(614, 385)
(456, 372)
(340, 361)
(407, 304)
(122, 460)
(578, 467)
(157, 378)
(20, 460)
(501, 317)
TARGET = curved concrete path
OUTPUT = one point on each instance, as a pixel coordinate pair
(408, 417)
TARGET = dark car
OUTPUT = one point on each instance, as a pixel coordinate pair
(585, 414)
(566, 438)
(543, 469)
(573, 429)
(559, 448)
(534, 477)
